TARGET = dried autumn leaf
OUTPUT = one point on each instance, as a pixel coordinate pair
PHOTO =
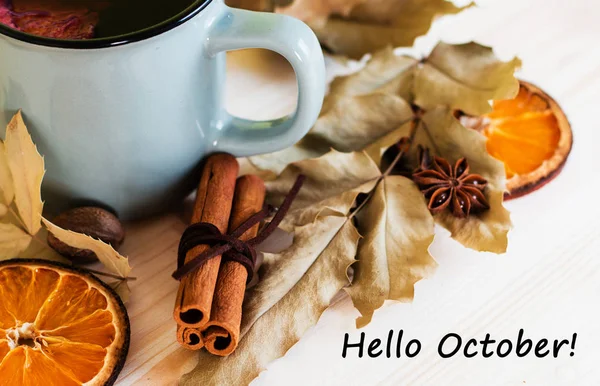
(7, 190)
(447, 138)
(311, 274)
(396, 223)
(376, 149)
(328, 178)
(353, 120)
(318, 11)
(13, 241)
(110, 258)
(464, 77)
(381, 73)
(27, 169)
(375, 24)
(393, 255)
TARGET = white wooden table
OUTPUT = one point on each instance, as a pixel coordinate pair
(548, 283)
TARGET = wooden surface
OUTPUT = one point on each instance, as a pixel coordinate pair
(548, 283)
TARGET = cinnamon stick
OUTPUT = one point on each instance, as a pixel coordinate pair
(213, 205)
(222, 333)
(190, 338)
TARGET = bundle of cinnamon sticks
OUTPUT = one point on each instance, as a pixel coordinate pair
(208, 309)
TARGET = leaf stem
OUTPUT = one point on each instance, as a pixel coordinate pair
(413, 132)
(365, 202)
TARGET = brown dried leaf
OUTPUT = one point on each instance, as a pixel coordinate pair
(328, 177)
(464, 77)
(27, 170)
(381, 73)
(318, 11)
(111, 259)
(351, 125)
(376, 149)
(393, 255)
(375, 24)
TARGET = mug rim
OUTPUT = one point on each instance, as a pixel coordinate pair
(113, 41)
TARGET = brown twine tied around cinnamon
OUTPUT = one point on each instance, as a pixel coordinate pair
(229, 246)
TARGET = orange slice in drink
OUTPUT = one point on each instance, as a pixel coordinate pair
(59, 326)
(530, 134)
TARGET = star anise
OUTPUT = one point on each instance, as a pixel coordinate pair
(453, 188)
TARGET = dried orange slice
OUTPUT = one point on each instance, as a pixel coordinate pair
(59, 326)
(530, 134)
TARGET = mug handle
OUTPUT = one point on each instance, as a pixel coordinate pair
(295, 41)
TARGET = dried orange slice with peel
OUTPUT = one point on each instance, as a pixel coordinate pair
(530, 134)
(59, 326)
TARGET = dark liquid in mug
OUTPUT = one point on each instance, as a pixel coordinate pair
(126, 16)
(87, 19)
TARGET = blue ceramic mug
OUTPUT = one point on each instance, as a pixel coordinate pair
(125, 121)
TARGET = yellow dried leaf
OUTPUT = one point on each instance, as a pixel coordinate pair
(13, 241)
(7, 190)
(40, 250)
(393, 255)
(27, 170)
(111, 259)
